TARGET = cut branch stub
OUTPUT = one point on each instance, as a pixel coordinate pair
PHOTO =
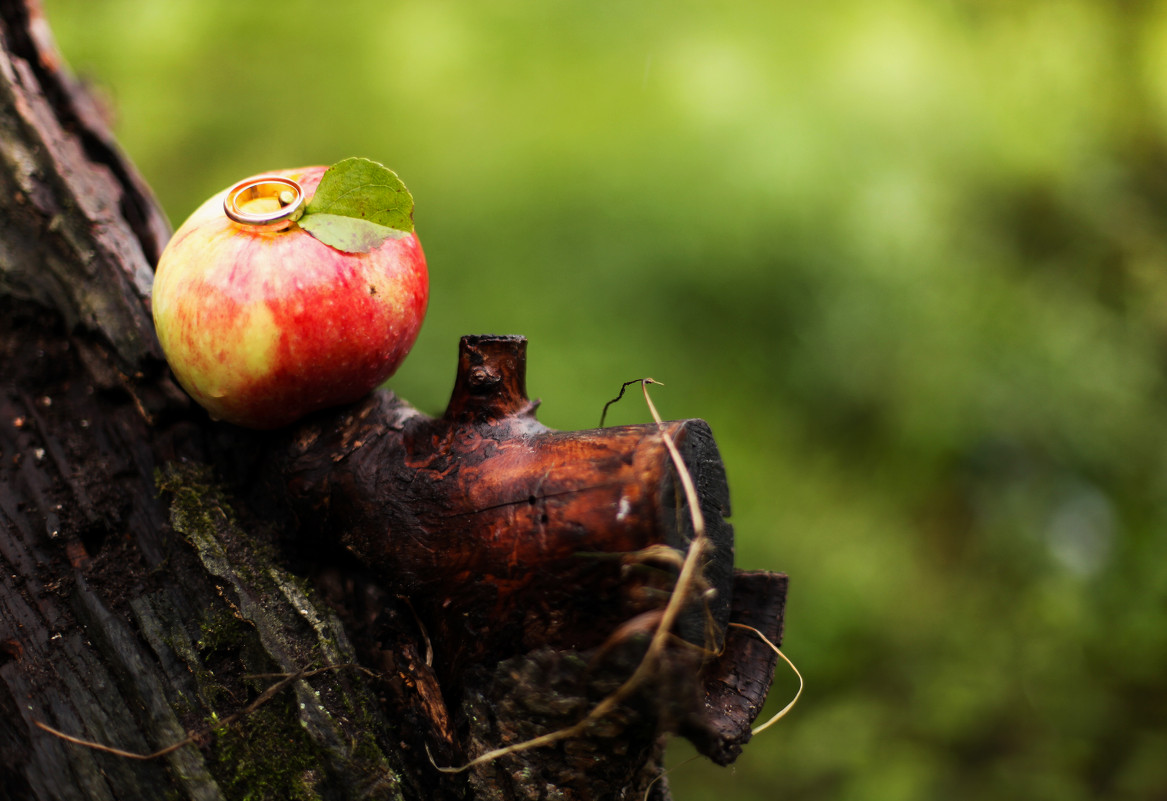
(512, 535)
(491, 385)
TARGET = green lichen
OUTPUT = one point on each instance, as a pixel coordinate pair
(199, 511)
(314, 738)
(218, 629)
(267, 756)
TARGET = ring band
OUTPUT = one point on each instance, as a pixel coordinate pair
(265, 186)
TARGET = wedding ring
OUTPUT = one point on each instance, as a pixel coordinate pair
(288, 206)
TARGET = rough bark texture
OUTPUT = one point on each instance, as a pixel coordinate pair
(362, 596)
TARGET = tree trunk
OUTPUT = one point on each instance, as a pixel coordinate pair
(336, 609)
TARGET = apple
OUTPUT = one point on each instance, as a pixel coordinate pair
(264, 326)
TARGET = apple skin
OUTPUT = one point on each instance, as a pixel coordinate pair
(262, 328)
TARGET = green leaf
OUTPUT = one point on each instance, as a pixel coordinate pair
(350, 234)
(358, 205)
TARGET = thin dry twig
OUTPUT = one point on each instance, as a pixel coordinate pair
(623, 387)
(663, 773)
(757, 729)
(687, 579)
(801, 683)
(195, 736)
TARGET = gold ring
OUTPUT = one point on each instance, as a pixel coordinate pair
(288, 206)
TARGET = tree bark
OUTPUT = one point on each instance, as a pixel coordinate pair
(334, 609)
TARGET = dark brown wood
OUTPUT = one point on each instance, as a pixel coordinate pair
(80, 229)
(509, 537)
(498, 521)
(735, 686)
(453, 582)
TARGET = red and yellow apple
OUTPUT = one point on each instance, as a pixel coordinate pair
(263, 327)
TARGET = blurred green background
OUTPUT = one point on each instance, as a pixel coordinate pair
(908, 259)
